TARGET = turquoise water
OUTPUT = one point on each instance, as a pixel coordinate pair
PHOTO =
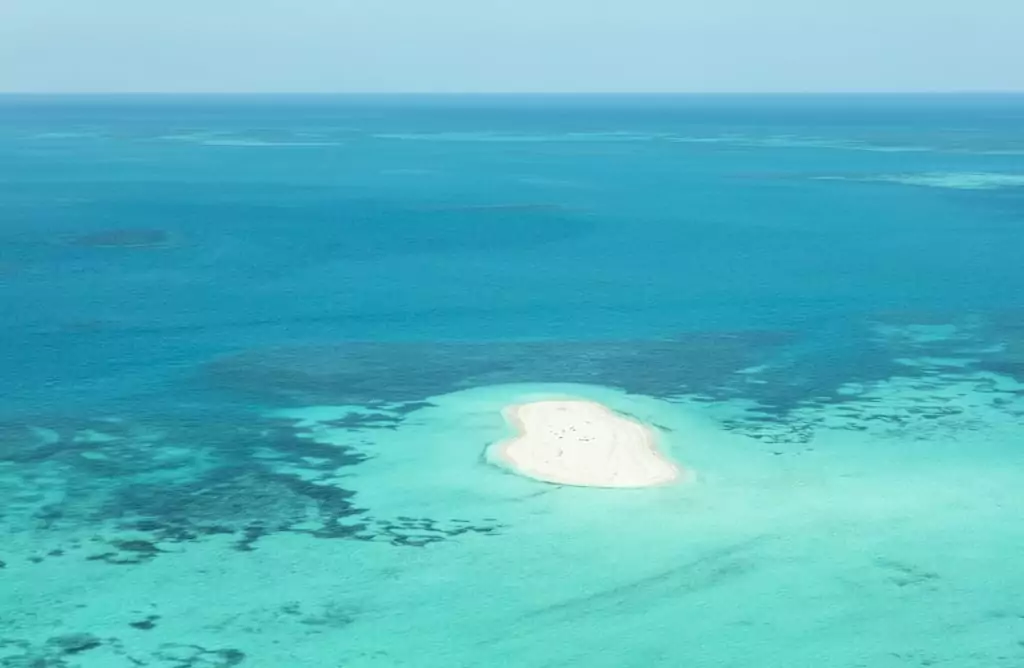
(256, 347)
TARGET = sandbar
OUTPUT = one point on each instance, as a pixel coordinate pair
(576, 442)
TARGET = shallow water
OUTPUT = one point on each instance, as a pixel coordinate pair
(256, 348)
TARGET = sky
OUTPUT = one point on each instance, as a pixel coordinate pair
(446, 46)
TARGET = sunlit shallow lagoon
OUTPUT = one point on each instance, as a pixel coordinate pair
(255, 350)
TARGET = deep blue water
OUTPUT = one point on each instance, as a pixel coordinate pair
(816, 302)
(307, 220)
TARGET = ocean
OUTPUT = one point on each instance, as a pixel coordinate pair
(255, 348)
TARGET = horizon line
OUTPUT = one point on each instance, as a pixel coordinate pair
(510, 93)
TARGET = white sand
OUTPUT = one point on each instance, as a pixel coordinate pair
(582, 443)
(885, 543)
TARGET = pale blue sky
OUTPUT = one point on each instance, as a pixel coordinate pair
(510, 45)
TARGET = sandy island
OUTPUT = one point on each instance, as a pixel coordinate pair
(575, 442)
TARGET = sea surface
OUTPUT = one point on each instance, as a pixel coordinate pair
(254, 350)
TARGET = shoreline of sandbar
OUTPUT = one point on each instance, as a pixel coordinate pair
(582, 443)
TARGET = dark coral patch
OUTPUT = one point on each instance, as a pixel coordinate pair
(124, 238)
(369, 372)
